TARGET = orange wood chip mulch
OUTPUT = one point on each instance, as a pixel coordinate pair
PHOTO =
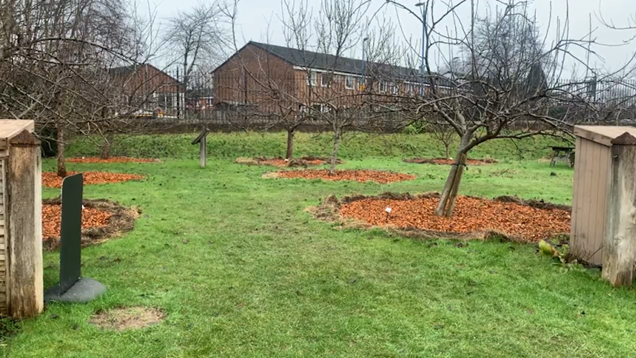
(51, 215)
(352, 175)
(443, 161)
(277, 162)
(471, 215)
(51, 180)
(98, 160)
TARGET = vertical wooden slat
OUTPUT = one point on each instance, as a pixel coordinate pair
(581, 212)
(594, 238)
(620, 234)
(601, 202)
(577, 167)
(24, 209)
(5, 265)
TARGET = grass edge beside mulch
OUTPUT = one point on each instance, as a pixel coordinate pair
(441, 161)
(328, 210)
(121, 221)
(305, 161)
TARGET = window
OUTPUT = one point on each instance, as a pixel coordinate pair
(325, 79)
(349, 82)
(410, 89)
(383, 86)
(312, 79)
(395, 88)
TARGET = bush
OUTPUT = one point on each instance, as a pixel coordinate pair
(354, 145)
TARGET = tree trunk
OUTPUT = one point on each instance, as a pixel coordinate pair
(290, 146)
(61, 160)
(453, 194)
(108, 142)
(451, 188)
(447, 145)
(334, 154)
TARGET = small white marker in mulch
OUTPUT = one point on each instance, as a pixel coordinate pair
(388, 212)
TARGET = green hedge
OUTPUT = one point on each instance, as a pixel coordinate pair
(353, 146)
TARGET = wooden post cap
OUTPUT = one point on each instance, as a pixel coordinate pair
(624, 139)
(25, 139)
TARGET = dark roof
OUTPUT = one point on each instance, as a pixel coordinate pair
(327, 62)
(323, 61)
(128, 70)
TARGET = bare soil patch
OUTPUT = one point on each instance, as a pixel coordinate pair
(98, 160)
(101, 220)
(444, 161)
(474, 218)
(125, 318)
(51, 180)
(308, 161)
(362, 176)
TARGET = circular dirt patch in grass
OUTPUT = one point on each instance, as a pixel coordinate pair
(125, 318)
(443, 161)
(98, 160)
(101, 220)
(473, 218)
(307, 161)
(52, 180)
(350, 175)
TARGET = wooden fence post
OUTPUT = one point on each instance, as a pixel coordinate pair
(203, 151)
(25, 286)
(619, 254)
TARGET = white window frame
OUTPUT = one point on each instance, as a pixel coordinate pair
(353, 82)
(324, 76)
(383, 86)
(312, 78)
(395, 88)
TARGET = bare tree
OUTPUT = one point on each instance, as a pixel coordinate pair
(53, 56)
(339, 28)
(197, 37)
(514, 86)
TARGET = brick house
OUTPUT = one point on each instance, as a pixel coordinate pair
(145, 90)
(266, 77)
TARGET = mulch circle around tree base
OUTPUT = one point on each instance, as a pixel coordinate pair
(443, 161)
(125, 318)
(98, 160)
(362, 176)
(52, 180)
(473, 218)
(308, 161)
(101, 220)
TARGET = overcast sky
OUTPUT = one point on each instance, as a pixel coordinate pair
(255, 16)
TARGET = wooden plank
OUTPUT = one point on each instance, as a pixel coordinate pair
(602, 134)
(575, 213)
(25, 286)
(595, 240)
(619, 254)
(9, 128)
(601, 203)
(579, 247)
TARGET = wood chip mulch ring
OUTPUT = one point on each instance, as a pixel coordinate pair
(444, 161)
(101, 220)
(363, 176)
(307, 161)
(474, 218)
(98, 160)
(52, 180)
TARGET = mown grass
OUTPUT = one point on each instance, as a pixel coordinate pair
(241, 270)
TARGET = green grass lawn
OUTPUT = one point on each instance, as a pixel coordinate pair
(242, 270)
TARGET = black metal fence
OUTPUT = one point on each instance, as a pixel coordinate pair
(244, 101)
